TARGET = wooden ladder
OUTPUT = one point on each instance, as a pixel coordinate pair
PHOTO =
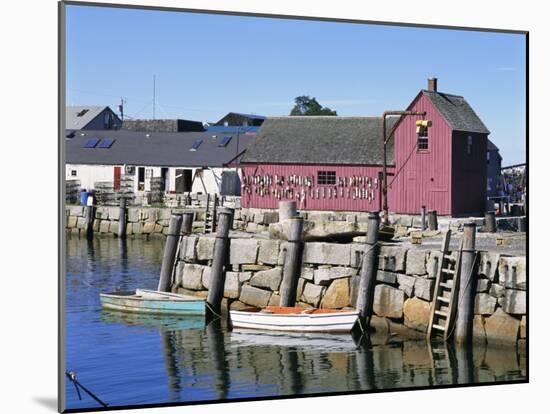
(443, 307)
(210, 214)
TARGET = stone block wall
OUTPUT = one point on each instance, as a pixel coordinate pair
(256, 220)
(330, 277)
(141, 221)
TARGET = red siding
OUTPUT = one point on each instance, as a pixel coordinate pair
(421, 178)
(442, 178)
(342, 201)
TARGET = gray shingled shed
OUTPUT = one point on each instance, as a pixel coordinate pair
(320, 140)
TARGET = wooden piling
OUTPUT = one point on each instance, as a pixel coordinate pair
(187, 222)
(468, 284)
(287, 210)
(423, 217)
(432, 220)
(367, 281)
(217, 270)
(293, 263)
(170, 249)
(89, 223)
(122, 218)
(232, 212)
(215, 213)
(490, 222)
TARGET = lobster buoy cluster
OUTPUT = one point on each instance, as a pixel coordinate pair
(302, 187)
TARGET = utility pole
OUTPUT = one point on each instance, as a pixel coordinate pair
(121, 109)
(385, 219)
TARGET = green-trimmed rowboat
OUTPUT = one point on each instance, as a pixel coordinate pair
(153, 302)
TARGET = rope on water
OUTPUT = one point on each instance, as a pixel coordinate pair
(72, 377)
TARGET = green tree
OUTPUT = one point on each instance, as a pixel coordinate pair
(306, 105)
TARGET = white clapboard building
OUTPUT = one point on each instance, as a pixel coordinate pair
(196, 162)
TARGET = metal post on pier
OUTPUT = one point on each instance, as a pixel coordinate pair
(170, 250)
(423, 217)
(122, 218)
(367, 281)
(468, 284)
(490, 222)
(219, 261)
(293, 263)
(432, 220)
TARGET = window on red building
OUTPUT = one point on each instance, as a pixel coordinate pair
(326, 177)
(469, 145)
(422, 140)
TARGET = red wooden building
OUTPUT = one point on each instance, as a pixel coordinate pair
(335, 163)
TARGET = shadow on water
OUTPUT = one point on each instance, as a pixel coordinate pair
(135, 359)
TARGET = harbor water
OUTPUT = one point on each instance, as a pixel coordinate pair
(134, 360)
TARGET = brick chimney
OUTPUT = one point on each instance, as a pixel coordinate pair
(432, 84)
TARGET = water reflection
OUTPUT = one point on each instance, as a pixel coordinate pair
(169, 343)
(216, 346)
(135, 359)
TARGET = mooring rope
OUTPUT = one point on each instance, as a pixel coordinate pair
(360, 264)
(216, 314)
(72, 376)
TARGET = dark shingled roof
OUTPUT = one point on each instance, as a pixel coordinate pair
(88, 114)
(457, 112)
(159, 149)
(321, 140)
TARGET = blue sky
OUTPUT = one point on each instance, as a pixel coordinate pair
(208, 65)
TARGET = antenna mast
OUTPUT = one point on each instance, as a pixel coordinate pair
(154, 97)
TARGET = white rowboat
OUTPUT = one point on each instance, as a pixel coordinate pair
(292, 319)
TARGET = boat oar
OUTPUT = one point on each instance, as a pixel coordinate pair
(72, 376)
